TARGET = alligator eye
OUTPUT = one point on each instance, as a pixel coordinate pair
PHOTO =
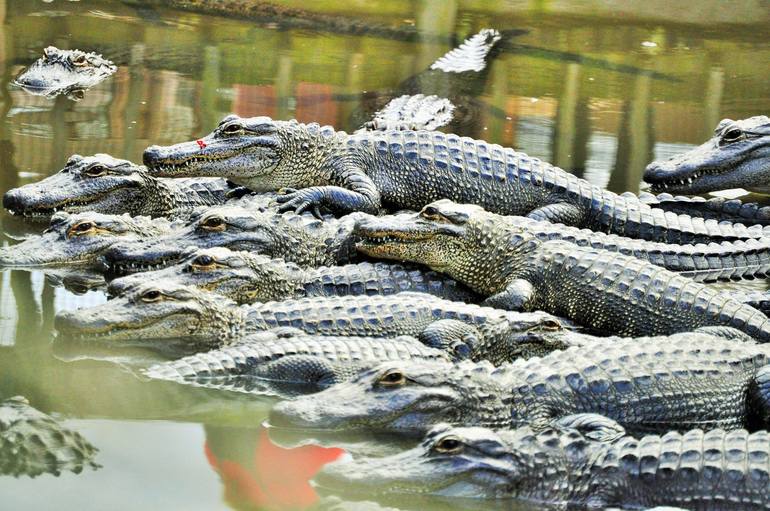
(551, 325)
(96, 171)
(449, 445)
(232, 129)
(203, 262)
(392, 378)
(153, 295)
(213, 223)
(430, 212)
(732, 135)
(81, 228)
(79, 60)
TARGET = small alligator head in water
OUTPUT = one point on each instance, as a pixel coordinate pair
(257, 152)
(737, 156)
(407, 398)
(97, 183)
(68, 72)
(240, 276)
(461, 240)
(78, 239)
(155, 311)
(540, 467)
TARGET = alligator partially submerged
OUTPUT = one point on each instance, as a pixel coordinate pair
(409, 169)
(300, 239)
(608, 292)
(163, 310)
(700, 380)
(104, 184)
(248, 278)
(286, 363)
(80, 239)
(737, 156)
(69, 72)
(583, 461)
(33, 443)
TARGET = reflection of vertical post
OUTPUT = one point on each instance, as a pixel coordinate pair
(635, 152)
(283, 90)
(564, 132)
(714, 88)
(210, 79)
(499, 100)
(434, 17)
(136, 74)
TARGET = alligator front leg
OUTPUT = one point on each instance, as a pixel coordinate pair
(358, 194)
(517, 296)
(559, 213)
(452, 335)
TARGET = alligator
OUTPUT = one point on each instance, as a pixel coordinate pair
(608, 292)
(248, 278)
(702, 262)
(68, 72)
(164, 310)
(33, 443)
(79, 239)
(412, 112)
(300, 239)
(409, 169)
(287, 363)
(584, 461)
(105, 184)
(700, 380)
(737, 156)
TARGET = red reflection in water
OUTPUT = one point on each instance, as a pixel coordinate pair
(276, 478)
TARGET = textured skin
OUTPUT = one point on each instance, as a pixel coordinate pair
(68, 72)
(565, 468)
(715, 208)
(646, 384)
(417, 112)
(737, 156)
(608, 292)
(409, 169)
(300, 239)
(248, 278)
(164, 310)
(702, 262)
(271, 363)
(104, 184)
(79, 239)
(32, 443)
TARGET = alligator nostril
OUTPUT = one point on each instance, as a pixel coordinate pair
(150, 155)
(12, 200)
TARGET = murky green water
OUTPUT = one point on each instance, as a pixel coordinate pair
(599, 90)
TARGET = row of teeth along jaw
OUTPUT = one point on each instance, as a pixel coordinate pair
(171, 165)
(42, 212)
(687, 180)
(127, 267)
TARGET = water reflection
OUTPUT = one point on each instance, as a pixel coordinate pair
(597, 93)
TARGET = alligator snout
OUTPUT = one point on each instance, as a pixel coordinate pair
(12, 200)
(151, 155)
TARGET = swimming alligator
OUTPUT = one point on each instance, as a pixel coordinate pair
(104, 184)
(79, 239)
(583, 461)
(248, 278)
(163, 310)
(686, 380)
(409, 169)
(737, 156)
(608, 292)
(68, 72)
(33, 443)
(300, 239)
(289, 361)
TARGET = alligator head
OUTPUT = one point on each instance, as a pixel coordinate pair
(77, 239)
(256, 152)
(155, 310)
(461, 240)
(407, 398)
(455, 462)
(97, 183)
(68, 72)
(538, 466)
(737, 156)
(240, 276)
